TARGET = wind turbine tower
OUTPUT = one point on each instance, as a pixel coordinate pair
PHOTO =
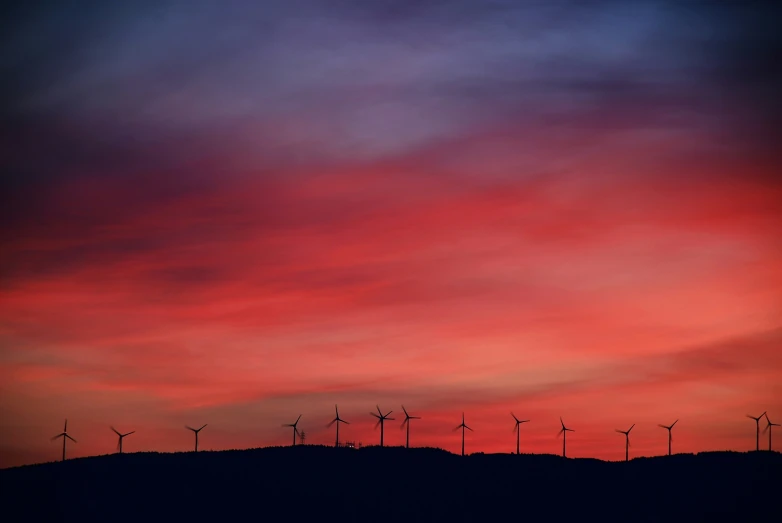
(670, 438)
(121, 437)
(518, 431)
(627, 441)
(196, 431)
(757, 429)
(381, 421)
(337, 420)
(768, 428)
(408, 417)
(64, 435)
(295, 430)
(563, 431)
(463, 426)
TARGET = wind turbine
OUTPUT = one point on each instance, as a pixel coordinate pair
(337, 420)
(757, 429)
(463, 426)
(627, 441)
(196, 431)
(408, 417)
(518, 432)
(381, 421)
(64, 435)
(295, 430)
(119, 443)
(670, 438)
(768, 428)
(564, 432)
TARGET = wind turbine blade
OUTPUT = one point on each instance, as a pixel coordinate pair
(375, 415)
(70, 438)
(378, 409)
(331, 423)
(345, 422)
(403, 409)
(131, 432)
(415, 417)
(403, 423)
(392, 419)
(619, 431)
(115, 431)
(65, 429)
(297, 419)
(57, 436)
(514, 417)
(204, 425)
(560, 431)
(661, 426)
(674, 423)
(377, 424)
(631, 428)
(389, 413)
(468, 428)
(457, 428)
(190, 428)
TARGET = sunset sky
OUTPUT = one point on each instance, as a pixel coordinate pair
(237, 212)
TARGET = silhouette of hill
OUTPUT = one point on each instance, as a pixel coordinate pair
(391, 483)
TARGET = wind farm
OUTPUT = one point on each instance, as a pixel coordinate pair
(242, 215)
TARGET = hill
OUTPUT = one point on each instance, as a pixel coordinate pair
(385, 484)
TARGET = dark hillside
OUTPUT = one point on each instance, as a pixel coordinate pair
(392, 484)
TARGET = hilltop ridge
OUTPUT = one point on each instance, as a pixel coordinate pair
(423, 483)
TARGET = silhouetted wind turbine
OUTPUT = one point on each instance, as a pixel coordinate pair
(295, 430)
(381, 421)
(337, 420)
(757, 429)
(463, 426)
(64, 435)
(196, 431)
(408, 417)
(627, 441)
(670, 438)
(564, 432)
(119, 443)
(516, 428)
(768, 428)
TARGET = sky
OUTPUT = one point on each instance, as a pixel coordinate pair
(237, 213)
